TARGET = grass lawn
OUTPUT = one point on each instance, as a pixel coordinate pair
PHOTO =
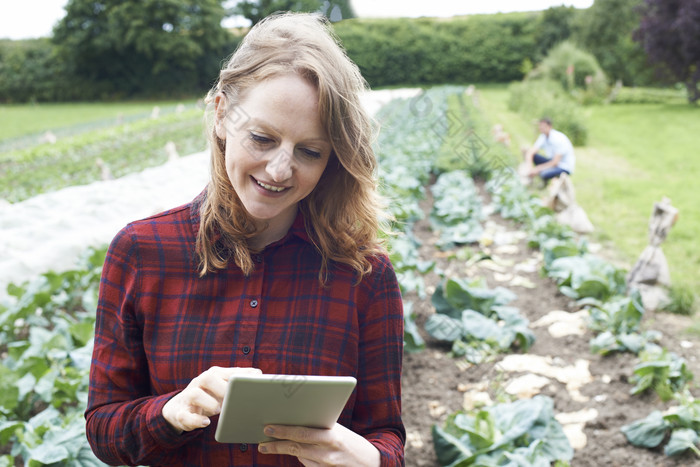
(636, 154)
(26, 119)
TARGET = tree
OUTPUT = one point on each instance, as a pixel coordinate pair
(554, 27)
(605, 29)
(30, 71)
(255, 10)
(670, 34)
(144, 46)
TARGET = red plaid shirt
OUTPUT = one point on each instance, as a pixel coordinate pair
(159, 325)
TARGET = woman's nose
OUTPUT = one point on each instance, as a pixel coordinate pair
(280, 165)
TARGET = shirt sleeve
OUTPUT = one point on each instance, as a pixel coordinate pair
(377, 412)
(125, 424)
(539, 142)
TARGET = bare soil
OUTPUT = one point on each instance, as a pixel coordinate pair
(433, 382)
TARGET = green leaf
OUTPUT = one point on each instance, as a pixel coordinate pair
(86, 458)
(16, 291)
(555, 445)
(461, 296)
(604, 343)
(47, 453)
(82, 332)
(648, 432)
(89, 300)
(45, 385)
(527, 457)
(412, 340)
(82, 357)
(444, 328)
(480, 327)
(644, 382)
(439, 301)
(503, 296)
(519, 417)
(25, 385)
(481, 429)
(516, 324)
(633, 342)
(687, 415)
(37, 366)
(595, 288)
(682, 439)
(8, 429)
(448, 448)
(46, 418)
(568, 291)
(490, 459)
(9, 393)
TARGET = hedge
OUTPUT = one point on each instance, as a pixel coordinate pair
(33, 71)
(427, 51)
(390, 52)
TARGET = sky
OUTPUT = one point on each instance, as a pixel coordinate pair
(22, 19)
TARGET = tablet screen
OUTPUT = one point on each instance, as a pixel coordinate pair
(253, 401)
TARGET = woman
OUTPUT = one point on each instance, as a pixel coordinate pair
(274, 268)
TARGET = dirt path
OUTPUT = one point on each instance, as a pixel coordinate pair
(435, 385)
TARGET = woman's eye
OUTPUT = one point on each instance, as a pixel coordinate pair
(311, 153)
(260, 139)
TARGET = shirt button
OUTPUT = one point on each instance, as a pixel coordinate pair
(246, 349)
(253, 303)
(243, 447)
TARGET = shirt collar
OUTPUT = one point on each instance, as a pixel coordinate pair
(297, 229)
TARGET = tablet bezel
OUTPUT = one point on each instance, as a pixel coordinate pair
(253, 401)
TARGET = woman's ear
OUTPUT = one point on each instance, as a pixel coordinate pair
(220, 116)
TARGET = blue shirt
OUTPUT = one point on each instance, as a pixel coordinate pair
(558, 143)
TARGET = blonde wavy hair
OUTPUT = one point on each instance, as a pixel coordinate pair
(343, 213)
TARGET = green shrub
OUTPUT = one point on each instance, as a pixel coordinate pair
(577, 71)
(31, 71)
(537, 98)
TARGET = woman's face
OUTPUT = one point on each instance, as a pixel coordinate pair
(276, 148)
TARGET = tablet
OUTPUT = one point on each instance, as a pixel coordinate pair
(253, 401)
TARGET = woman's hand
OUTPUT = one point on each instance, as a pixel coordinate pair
(312, 446)
(201, 399)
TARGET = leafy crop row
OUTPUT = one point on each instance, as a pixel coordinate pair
(412, 129)
(615, 314)
(124, 149)
(46, 346)
(457, 210)
(476, 320)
